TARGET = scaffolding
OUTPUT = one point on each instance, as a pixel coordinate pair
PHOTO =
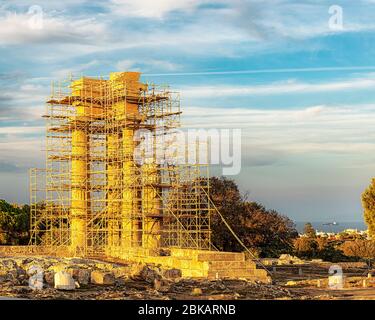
(108, 181)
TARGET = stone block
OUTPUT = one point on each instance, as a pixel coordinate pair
(161, 285)
(122, 272)
(49, 277)
(64, 281)
(172, 273)
(82, 276)
(196, 292)
(102, 278)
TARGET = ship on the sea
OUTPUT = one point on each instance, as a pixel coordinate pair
(333, 223)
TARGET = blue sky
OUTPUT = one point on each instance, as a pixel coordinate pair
(302, 92)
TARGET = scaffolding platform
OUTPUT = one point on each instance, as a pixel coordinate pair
(93, 194)
(98, 197)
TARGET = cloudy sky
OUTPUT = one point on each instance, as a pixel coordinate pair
(300, 88)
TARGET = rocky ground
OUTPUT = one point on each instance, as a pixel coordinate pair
(100, 280)
(104, 280)
(309, 279)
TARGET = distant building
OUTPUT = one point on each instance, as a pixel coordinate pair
(351, 231)
(323, 234)
(339, 235)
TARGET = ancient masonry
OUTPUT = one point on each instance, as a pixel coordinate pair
(101, 195)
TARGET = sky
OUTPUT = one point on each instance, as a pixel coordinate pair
(296, 77)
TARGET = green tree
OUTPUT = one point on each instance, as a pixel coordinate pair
(309, 231)
(368, 203)
(14, 223)
(265, 231)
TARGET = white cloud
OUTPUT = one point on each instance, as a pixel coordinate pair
(313, 130)
(19, 28)
(290, 86)
(151, 8)
(310, 112)
(287, 19)
(126, 65)
(22, 151)
(21, 130)
(258, 19)
(23, 103)
(76, 70)
(147, 65)
(268, 71)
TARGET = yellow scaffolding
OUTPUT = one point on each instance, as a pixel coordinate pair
(99, 188)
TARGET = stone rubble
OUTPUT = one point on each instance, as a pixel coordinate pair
(102, 278)
(93, 279)
(289, 259)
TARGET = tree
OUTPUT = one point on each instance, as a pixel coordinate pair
(322, 243)
(309, 231)
(305, 247)
(264, 230)
(226, 196)
(267, 230)
(363, 249)
(319, 248)
(14, 223)
(368, 203)
(329, 250)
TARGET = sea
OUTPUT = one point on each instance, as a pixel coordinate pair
(340, 226)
